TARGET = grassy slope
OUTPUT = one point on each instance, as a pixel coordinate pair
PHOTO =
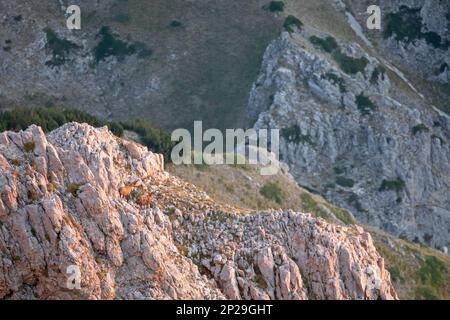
(414, 272)
(412, 269)
(203, 68)
(242, 187)
(219, 47)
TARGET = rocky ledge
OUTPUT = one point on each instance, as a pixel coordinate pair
(82, 197)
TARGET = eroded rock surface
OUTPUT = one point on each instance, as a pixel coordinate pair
(82, 197)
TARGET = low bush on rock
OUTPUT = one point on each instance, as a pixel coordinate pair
(273, 191)
(291, 23)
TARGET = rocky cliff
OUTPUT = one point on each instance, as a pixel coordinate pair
(364, 113)
(82, 197)
(415, 37)
(356, 130)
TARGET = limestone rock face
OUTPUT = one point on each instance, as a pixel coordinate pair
(83, 199)
(427, 50)
(358, 138)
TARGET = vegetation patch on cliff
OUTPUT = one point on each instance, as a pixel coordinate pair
(328, 44)
(365, 105)
(60, 48)
(417, 271)
(335, 79)
(345, 182)
(291, 23)
(392, 185)
(406, 25)
(275, 6)
(419, 128)
(324, 210)
(273, 191)
(378, 72)
(294, 134)
(353, 200)
(349, 64)
(110, 46)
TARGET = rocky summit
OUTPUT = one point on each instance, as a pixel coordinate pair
(93, 206)
(81, 197)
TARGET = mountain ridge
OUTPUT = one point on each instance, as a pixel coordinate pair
(86, 198)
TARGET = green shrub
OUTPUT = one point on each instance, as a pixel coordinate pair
(348, 64)
(431, 271)
(328, 44)
(292, 22)
(424, 293)
(365, 105)
(60, 48)
(396, 274)
(335, 79)
(294, 134)
(345, 182)
(110, 46)
(310, 205)
(47, 118)
(392, 185)
(419, 128)
(276, 6)
(343, 215)
(377, 72)
(309, 189)
(116, 128)
(142, 51)
(353, 200)
(175, 24)
(406, 25)
(338, 170)
(434, 39)
(273, 191)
